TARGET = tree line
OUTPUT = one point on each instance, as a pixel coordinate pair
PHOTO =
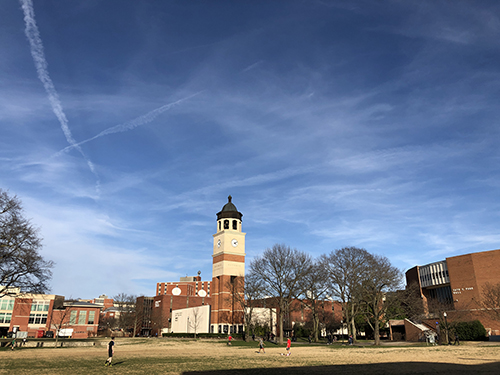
(360, 281)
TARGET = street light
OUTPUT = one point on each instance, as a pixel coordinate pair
(446, 326)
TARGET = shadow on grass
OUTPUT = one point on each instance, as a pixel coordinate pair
(376, 368)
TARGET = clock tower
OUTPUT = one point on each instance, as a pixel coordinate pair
(228, 271)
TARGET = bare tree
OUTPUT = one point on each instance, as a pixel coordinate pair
(247, 294)
(281, 270)
(21, 265)
(490, 300)
(406, 303)
(380, 278)
(59, 316)
(346, 269)
(125, 305)
(196, 322)
(315, 287)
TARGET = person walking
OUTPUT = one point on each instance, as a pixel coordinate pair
(261, 345)
(288, 345)
(229, 340)
(111, 351)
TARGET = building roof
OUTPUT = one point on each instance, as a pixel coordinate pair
(80, 304)
(229, 211)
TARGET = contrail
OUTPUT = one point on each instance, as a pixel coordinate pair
(129, 125)
(38, 55)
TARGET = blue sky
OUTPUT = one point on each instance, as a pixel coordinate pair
(126, 124)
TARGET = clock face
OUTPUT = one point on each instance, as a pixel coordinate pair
(218, 243)
(234, 243)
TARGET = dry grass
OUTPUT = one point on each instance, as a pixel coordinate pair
(205, 357)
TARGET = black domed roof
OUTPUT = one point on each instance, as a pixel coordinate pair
(229, 211)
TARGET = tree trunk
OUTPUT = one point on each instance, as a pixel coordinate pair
(315, 326)
(376, 325)
(353, 324)
(282, 315)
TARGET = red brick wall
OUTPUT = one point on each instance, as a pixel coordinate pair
(469, 273)
(225, 309)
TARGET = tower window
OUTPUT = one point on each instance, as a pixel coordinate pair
(219, 226)
(235, 225)
(226, 224)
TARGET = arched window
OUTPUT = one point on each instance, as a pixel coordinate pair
(219, 225)
(226, 224)
(235, 225)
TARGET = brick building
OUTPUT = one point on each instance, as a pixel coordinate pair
(34, 315)
(457, 284)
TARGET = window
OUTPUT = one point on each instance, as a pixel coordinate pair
(226, 224)
(219, 226)
(37, 318)
(72, 317)
(5, 317)
(235, 225)
(82, 317)
(91, 317)
(7, 304)
(40, 305)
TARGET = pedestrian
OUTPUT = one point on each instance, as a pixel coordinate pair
(288, 345)
(111, 351)
(229, 340)
(350, 340)
(261, 345)
(253, 336)
(457, 340)
(309, 339)
(13, 343)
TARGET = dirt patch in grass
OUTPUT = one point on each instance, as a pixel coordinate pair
(157, 356)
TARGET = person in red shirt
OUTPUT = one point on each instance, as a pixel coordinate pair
(229, 340)
(288, 345)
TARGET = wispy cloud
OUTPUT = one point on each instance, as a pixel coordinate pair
(37, 52)
(132, 124)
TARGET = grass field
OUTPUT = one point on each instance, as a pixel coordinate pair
(160, 356)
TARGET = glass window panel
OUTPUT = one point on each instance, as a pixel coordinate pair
(82, 318)
(8, 317)
(72, 317)
(91, 317)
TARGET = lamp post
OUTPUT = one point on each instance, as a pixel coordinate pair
(446, 326)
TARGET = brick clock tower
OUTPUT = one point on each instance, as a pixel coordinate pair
(228, 271)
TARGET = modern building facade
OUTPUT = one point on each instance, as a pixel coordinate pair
(457, 283)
